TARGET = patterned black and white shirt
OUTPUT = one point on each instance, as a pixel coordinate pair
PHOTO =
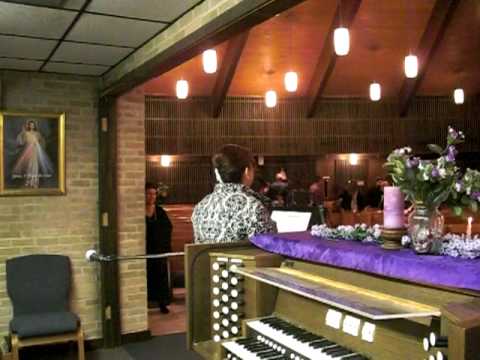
(232, 212)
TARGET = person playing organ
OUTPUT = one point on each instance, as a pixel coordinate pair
(233, 211)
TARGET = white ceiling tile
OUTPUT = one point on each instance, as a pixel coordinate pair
(33, 20)
(164, 10)
(64, 4)
(75, 69)
(113, 31)
(90, 54)
(12, 46)
(20, 64)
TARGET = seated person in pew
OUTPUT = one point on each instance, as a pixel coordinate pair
(233, 211)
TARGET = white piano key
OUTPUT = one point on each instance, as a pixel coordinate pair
(240, 351)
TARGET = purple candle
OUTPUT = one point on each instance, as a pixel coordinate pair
(393, 205)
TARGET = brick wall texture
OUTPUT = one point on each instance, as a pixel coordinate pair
(130, 109)
(67, 224)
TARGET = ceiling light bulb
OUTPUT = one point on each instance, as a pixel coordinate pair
(341, 41)
(458, 96)
(353, 159)
(209, 61)
(270, 98)
(375, 91)
(411, 66)
(165, 160)
(291, 81)
(182, 89)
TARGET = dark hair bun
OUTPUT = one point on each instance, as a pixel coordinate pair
(231, 161)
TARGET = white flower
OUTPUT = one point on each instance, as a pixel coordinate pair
(377, 233)
(425, 176)
(442, 172)
(468, 190)
(406, 240)
(401, 151)
(408, 150)
(458, 187)
(363, 226)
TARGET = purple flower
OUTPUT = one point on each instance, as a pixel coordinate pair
(451, 153)
(475, 195)
(413, 162)
(435, 172)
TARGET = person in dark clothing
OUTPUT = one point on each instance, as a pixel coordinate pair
(158, 240)
(345, 200)
(375, 195)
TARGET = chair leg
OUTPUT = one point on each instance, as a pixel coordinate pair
(81, 348)
(15, 347)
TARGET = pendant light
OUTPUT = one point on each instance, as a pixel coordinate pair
(411, 66)
(291, 81)
(270, 98)
(353, 159)
(341, 41)
(182, 89)
(209, 58)
(165, 160)
(375, 91)
(459, 96)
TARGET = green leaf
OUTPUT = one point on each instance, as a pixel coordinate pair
(474, 206)
(457, 210)
(435, 148)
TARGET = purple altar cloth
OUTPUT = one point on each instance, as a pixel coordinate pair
(401, 264)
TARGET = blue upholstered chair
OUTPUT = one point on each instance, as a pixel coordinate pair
(39, 288)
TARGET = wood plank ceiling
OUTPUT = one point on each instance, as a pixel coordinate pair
(382, 34)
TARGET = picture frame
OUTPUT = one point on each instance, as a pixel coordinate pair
(32, 154)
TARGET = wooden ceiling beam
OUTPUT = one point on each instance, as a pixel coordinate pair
(239, 18)
(440, 18)
(227, 70)
(327, 58)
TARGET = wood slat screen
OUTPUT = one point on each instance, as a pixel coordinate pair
(340, 126)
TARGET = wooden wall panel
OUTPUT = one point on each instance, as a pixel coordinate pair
(340, 126)
(287, 139)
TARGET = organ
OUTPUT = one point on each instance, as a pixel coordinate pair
(248, 303)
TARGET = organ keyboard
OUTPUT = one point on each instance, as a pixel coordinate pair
(245, 303)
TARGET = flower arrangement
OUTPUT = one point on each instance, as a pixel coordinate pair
(433, 182)
(358, 232)
(457, 246)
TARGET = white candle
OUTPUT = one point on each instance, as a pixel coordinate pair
(469, 227)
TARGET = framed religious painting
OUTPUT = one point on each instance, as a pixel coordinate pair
(32, 154)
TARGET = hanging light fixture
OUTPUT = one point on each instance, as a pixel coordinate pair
(165, 160)
(209, 61)
(182, 89)
(353, 159)
(375, 91)
(458, 96)
(270, 98)
(341, 41)
(411, 66)
(291, 81)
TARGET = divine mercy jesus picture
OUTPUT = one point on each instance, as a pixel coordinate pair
(32, 149)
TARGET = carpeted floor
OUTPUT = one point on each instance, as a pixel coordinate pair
(167, 347)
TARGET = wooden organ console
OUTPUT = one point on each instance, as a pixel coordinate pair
(246, 303)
